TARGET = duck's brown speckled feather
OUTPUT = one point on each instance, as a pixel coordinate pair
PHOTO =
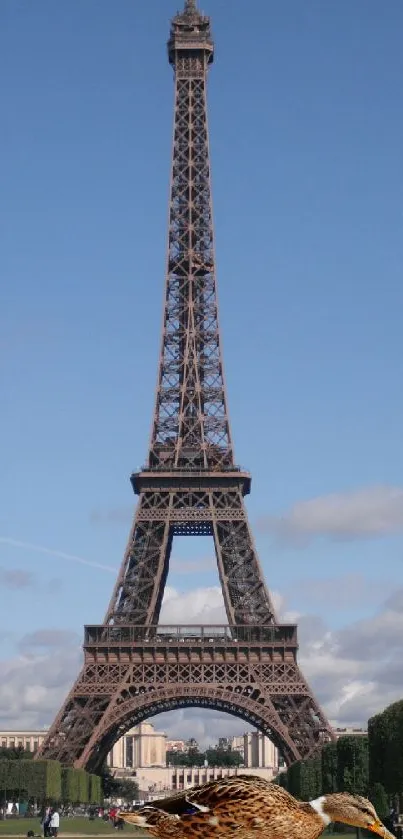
(243, 806)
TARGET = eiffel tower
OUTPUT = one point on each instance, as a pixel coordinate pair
(134, 667)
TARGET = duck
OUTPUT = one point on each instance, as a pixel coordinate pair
(249, 807)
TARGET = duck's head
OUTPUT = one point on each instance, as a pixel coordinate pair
(350, 809)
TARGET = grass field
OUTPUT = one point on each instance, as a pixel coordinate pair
(81, 827)
(78, 826)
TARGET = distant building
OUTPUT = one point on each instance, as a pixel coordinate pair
(175, 745)
(140, 746)
(143, 747)
(237, 744)
(191, 744)
(349, 731)
(156, 783)
(28, 740)
(256, 750)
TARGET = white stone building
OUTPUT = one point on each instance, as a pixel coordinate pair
(141, 754)
(140, 746)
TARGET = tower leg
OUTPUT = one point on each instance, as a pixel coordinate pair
(247, 599)
(139, 589)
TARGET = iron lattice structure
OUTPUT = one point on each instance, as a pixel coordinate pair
(135, 668)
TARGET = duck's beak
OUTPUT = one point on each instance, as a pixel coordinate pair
(381, 830)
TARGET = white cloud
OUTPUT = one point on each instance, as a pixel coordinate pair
(34, 684)
(201, 605)
(362, 513)
(205, 726)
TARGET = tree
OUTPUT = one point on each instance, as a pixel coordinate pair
(75, 786)
(95, 790)
(222, 757)
(176, 758)
(312, 778)
(194, 756)
(377, 748)
(112, 787)
(15, 754)
(385, 733)
(380, 800)
(215, 757)
(107, 782)
(294, 778)
(83, 786)
(70, 793)
(329, 768)
(352, 765)
(39, 779)
(126, 789)
(305, 778)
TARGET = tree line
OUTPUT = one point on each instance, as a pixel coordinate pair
(340, 767)
(214, 757)
(24, 779)
(371, 766)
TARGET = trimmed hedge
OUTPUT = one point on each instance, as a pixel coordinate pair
(352, 765)
(385, 732)
(47, 780)
(76, 786)
(304, 779)
(70, 787)
(83, 786)
(95, 789)
(329, 768)
(341, 766)
(378, 747)
(371, 766)
(39, 779)
(380, 800)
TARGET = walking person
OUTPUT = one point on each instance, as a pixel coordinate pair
(46, 821)
(54, 823)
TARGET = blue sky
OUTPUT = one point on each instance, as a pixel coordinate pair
(306, 142)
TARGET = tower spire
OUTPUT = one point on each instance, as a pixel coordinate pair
(190, 6)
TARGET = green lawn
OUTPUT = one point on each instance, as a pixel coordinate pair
(82, 827)
(79, 826)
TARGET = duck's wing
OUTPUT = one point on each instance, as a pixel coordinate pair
(248, 807)
(215, 793)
